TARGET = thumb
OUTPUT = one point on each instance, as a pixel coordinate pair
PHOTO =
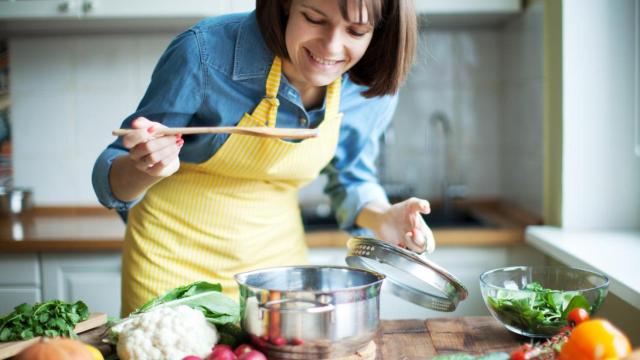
(141, 123)
(418, 205)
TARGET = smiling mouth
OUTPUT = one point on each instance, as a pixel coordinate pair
(320, 60)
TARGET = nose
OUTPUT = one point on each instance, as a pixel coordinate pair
(334, 41)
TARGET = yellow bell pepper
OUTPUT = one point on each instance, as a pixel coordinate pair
(595, 340)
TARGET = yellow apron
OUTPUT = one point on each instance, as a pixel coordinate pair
(235, 212)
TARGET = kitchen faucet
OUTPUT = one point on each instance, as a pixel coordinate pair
(449, 192)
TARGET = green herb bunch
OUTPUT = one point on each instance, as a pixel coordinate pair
(538, 310)
(50, 318)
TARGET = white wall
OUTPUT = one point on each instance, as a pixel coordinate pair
(601, 173)
(458, 73)
(68, 93)
(521, 103)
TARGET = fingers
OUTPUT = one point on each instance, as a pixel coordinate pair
(158, 152)
(150, 153)
(414, 205)
(419, 238)
(145, 132)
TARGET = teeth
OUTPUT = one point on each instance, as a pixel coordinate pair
(322, 61)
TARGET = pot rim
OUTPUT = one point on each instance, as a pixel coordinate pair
(244, 275)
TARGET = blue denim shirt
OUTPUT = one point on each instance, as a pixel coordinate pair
(213, 73)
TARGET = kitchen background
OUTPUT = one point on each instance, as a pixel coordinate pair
(470, 124)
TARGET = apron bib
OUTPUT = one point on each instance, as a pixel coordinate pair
(235, 212)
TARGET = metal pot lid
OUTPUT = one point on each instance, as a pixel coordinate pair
(409, 275)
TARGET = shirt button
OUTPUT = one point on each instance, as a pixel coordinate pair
(303, 121)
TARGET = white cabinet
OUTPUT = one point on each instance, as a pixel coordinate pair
(467, 12)
(19, 280)
(451, 7)
(91, 277)
(119, 9)
(149, 9)
(38, 9)
(152, 9)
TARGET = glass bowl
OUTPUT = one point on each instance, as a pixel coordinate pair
(535, 300)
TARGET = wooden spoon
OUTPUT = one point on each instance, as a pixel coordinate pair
(280, 133)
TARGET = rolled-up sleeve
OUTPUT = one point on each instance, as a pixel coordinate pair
(174, 95)
(353, 180)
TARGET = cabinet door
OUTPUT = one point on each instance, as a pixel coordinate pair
(93, 278)
(152, 8)
(11, 297)
(21, 270)
(38, 9)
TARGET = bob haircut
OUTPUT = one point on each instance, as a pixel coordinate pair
(387, 60)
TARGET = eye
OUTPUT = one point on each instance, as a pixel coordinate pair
(357, 33)
(313, 21)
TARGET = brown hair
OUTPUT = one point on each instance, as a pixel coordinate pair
(389, 56)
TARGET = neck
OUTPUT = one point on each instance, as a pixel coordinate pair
(312, 96)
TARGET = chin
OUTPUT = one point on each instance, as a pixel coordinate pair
(322, 79)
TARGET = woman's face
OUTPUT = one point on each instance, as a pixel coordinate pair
(321, 44)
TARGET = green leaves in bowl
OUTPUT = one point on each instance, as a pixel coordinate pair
(537, 311)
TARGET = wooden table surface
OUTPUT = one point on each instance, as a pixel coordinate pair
(420, 339)
(424, 339)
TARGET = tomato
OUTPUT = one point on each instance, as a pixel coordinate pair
(518, 355)
(577, 316)
(594, 340)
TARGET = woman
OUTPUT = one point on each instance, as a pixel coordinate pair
(210, 206)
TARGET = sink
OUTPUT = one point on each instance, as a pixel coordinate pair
(454, 218)
(438, 218)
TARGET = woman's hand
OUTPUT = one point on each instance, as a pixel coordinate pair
(400, 224)
(152, 154)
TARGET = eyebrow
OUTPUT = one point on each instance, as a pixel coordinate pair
(325, 15)
(314, 9)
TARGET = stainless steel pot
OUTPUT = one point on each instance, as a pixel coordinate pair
(15, 200)
(310, 312)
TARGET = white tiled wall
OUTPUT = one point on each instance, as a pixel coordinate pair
(69, 92)
(488, 83)
(521, 103)
(457, 74)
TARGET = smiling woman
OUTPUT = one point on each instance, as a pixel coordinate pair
(213, 205)
(320, 26)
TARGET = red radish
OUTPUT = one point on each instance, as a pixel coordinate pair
(279, 341)
(191, 357)
(253, 355)
(258, 341)
(222, 352)
(220, 347)
(243, 349)
(297, 341)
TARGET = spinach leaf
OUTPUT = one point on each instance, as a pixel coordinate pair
(50, 318)
(540, 311)
(206, 297)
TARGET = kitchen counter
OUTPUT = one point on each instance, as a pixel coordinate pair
(418, 339)
(98, 229)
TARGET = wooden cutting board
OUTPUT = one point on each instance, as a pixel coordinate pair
(9, 349)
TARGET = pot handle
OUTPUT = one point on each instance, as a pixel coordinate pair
(316, 308)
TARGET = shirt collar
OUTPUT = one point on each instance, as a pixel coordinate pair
(252, 57)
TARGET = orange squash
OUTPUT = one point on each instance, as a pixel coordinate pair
(595, 340)
(56, 349)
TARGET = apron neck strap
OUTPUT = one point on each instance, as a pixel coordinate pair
(273, 79)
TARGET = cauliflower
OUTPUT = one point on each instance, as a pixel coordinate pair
(166, 334)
